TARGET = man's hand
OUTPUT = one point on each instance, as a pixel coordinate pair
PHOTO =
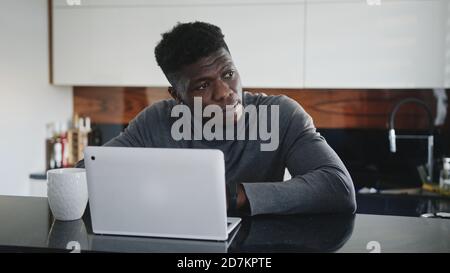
(241, 197)
(241, 200)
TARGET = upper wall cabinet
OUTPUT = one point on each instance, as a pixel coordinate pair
(111, 42)
(123, 3)
(289, 43)
(387, 44)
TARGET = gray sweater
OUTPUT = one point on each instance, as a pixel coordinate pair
(320, 182)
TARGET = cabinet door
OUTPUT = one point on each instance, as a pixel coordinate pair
(113, 45)
(105, 46)
(123, 3)
(266, 41)
(397, 44)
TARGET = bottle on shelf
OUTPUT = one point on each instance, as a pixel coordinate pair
(444, 179)
(49, 144)
(64, 145)
(83, 135)
(72, 141)
(58, 146)
(65, 142)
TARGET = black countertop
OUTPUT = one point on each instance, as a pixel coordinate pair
(27, 225)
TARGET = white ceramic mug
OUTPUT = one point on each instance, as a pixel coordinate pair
(67, 193)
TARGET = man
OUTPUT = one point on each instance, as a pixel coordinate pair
(197, 63)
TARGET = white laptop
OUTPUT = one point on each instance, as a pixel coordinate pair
(158, 192)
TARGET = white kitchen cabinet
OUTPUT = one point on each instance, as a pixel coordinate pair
(128, 3)
(113, 45)
(446, 10)
(397, 44)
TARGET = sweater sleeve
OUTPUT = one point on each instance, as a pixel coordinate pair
(320, 182)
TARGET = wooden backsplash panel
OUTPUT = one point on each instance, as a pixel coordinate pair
(361, 108)
(115, 105)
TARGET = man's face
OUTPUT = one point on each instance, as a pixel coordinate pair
(215, 79)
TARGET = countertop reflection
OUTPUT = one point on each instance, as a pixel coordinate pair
(320, 233)
(293, 233)
(27, 224)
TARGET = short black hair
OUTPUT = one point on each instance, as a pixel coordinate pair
(186, 43)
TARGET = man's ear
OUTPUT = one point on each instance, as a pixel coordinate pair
(174, 94)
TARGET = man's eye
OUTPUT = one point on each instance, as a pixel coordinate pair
(229, 75)
(203, 86)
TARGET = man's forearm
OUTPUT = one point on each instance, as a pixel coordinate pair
(321, 191)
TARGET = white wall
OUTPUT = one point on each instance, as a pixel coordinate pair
(27, 100)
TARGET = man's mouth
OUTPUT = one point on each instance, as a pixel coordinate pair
(231, 107)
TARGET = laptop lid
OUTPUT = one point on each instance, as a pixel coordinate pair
(162, 192)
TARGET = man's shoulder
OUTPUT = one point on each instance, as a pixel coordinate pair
(158, 109)
(289, 109)
(285, 103)
(156, 114)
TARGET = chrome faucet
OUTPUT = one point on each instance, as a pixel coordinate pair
(430, 137)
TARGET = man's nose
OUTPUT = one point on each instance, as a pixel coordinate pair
(221, 90)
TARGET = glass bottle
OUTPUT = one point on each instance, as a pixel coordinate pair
(444, 180)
